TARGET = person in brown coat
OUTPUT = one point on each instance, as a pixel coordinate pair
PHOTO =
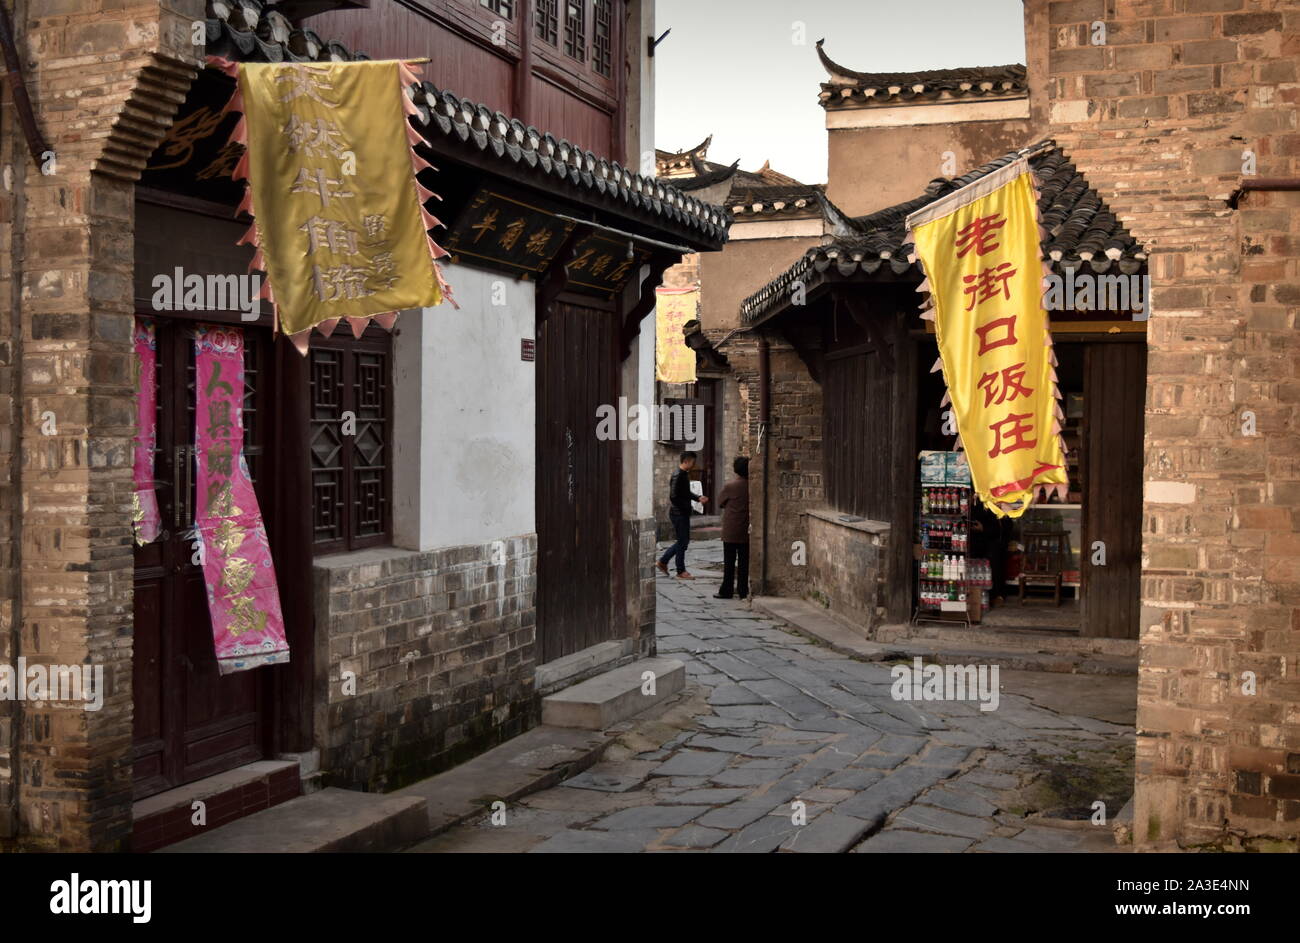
(734, 504)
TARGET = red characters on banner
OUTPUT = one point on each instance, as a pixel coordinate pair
(979, 235)
(1015, 436)
(1012, 385)
(989, 283)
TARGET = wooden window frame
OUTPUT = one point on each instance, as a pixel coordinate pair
(575, 30)
(375, 340)
(505, 8)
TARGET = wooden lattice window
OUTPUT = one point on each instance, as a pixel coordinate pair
(575, 29)
(602, 31)
(504, 8)
(548, 21)
(351, 433)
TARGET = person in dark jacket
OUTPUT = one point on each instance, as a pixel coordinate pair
(679, 512)
(734, 504)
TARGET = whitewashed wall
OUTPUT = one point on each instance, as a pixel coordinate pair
(464, 407)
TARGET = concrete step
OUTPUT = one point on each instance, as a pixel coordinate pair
(332, 820)
(536, 759)
(616, 695)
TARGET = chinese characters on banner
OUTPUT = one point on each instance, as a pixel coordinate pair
(984, 272)
(674, 361)
(340, 227)
(144, 503)
(243, 600)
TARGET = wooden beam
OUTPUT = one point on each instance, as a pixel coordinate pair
(872, 326)
(659, 264)
(556, 277)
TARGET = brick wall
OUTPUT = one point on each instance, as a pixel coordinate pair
(105, 77)
(1159, 118)
(845, 565)
(791, 461)
(441, 646)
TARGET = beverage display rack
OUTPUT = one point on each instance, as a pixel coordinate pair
(946, 574)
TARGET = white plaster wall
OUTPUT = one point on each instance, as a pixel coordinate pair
(644, 355)
(464, 405)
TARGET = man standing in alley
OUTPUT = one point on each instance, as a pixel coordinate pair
(734, 505)
(679, 512)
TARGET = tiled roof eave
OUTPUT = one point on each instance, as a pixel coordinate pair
(257, 33)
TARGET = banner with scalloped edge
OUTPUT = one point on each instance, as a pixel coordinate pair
(340, 227)
(979, 247)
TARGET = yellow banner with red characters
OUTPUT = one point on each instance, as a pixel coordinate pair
(984, 272)
(340, 230)
(674, 361)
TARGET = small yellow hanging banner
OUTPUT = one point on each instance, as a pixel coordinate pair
(984, 271)
(674, 361)
(340, 227)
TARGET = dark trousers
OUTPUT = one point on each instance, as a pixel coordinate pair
(682, 530)
(735, 569)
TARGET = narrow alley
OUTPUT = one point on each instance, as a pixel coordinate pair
(769, 720)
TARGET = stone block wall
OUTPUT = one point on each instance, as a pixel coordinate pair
(105, 78)
(846, 562)
(439, 653)
(1186, 99)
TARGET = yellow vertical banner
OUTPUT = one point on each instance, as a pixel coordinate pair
(984, 270)
(674, 361)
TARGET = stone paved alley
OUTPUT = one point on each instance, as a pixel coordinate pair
(768, 719)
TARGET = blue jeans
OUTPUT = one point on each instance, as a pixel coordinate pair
(682, 530)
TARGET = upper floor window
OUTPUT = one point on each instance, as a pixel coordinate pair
(548, 21)
(575, 29)
(601, 34)
(504, 8)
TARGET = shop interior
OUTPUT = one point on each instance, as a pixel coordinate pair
(972, 551)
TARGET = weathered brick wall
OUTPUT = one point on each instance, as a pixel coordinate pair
(105, 78)
(1160, 118)
(845, 566)
(441, 646)
(791, 461)
(639, 537)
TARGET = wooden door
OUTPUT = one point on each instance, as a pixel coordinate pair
(1115, 377)
(578, 481)
(190, 722)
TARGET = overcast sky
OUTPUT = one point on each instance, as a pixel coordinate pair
(732, 68)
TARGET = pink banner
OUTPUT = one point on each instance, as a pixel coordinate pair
(144, 510)
(247, 626)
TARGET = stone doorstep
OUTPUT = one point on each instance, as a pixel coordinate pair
(1022, 640)
(815, 623)
(579, 666)
(602, 701)
(332, 820)
(168, 817)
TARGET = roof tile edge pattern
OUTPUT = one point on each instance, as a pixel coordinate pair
(270, 38)
(1081, 232)
(850, 88)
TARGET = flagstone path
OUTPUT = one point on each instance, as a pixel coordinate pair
(779, 744)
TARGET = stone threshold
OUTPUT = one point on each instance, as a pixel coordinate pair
(816, 623)
(579, 666)
(168, 817)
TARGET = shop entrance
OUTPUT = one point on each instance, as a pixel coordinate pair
(1092, 539)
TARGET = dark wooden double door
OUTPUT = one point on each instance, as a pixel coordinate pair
(579, 491)
(190, 722)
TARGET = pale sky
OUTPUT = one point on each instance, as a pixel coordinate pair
(733, 68)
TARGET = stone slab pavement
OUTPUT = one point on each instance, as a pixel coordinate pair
(781, 745)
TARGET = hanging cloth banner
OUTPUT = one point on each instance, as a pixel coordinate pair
(144, 503)
(674, 361)
(340, 227)
(243, 599)
(984, 270)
